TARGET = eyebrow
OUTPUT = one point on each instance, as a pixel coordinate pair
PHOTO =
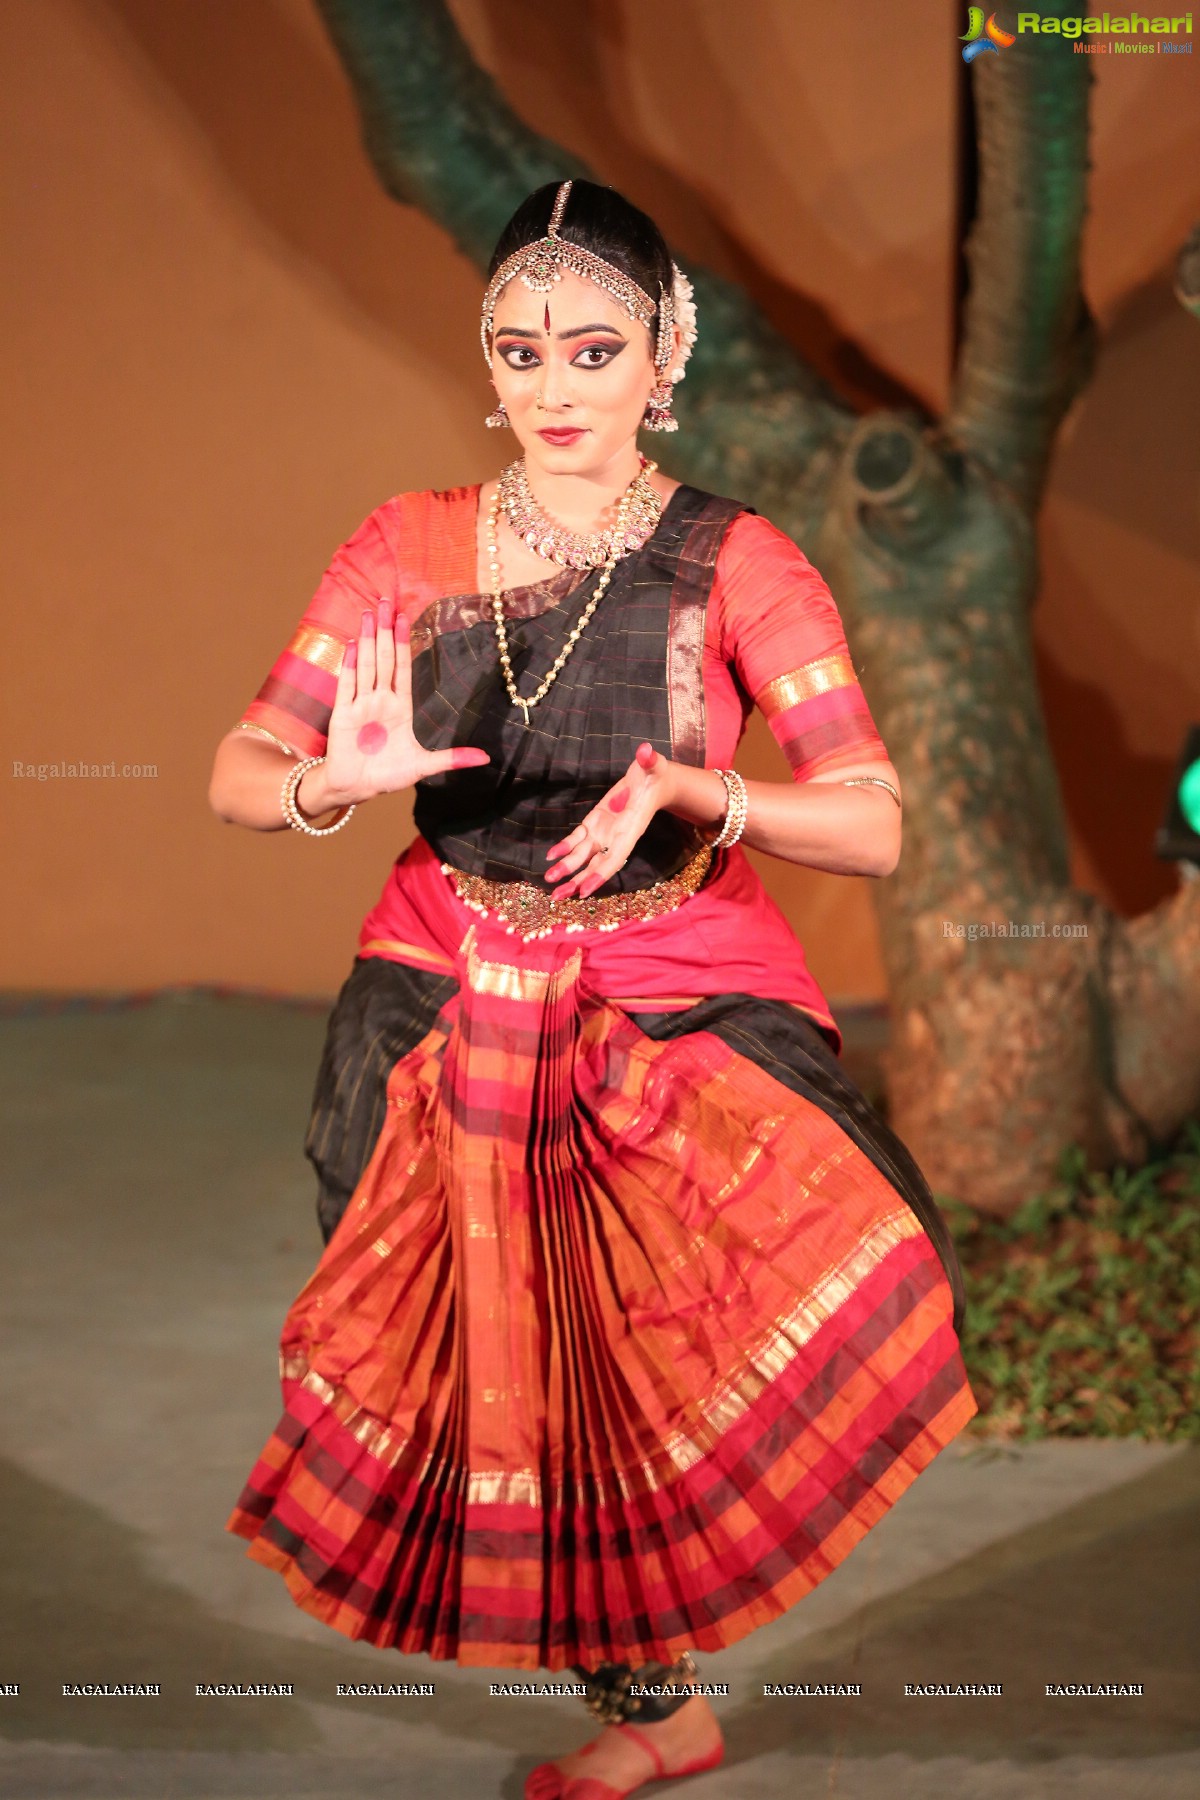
(578, 331)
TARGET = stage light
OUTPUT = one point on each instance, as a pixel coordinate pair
(1178, 838)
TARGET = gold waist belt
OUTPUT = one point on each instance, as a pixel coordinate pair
(533, 911)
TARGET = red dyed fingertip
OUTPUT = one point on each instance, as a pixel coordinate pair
(350, 660)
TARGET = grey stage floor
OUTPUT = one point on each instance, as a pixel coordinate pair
(159, 1219)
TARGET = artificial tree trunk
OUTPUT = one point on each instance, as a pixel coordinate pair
(1007, 1048)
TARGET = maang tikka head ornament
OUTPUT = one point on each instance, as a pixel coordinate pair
(541, 264)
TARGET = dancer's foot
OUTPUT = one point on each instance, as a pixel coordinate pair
(616, 1763)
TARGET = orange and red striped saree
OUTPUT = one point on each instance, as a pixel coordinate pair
(622, 1342)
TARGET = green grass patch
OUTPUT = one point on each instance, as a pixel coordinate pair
(1082, 1307)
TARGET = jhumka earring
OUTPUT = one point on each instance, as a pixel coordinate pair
(658, 415)
(497, 419)
(674, 308)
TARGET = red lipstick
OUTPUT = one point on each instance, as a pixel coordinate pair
(563, 434)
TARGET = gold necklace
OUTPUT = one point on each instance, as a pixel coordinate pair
(578, 550)
(619, 549)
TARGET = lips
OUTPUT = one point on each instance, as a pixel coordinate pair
(566, 434)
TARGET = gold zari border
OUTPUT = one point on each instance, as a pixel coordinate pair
(805, 683)
(722, 1408)
(321, 648)
(486, 1487)
(503, 1487)
(507, 981)
(430, 959)
(719, 1411)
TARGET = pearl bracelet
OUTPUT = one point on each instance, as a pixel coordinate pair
(291, 811)
(735, 810)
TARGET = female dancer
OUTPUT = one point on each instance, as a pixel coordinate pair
(633, 1316)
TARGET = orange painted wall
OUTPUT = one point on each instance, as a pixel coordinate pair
(222, 346)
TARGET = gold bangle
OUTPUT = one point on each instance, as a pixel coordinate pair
(249, 725)
(873, 781)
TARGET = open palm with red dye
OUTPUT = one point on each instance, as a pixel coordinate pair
(591, 854)
(371, 748)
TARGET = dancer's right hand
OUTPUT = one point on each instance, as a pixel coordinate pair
(371, 748)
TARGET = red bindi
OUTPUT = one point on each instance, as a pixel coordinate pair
(546, 320)
(371, 737)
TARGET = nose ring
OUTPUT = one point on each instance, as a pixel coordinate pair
(538, 401)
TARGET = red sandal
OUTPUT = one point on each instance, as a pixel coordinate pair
(547, 1782)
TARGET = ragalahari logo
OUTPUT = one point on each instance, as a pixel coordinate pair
(979, 36)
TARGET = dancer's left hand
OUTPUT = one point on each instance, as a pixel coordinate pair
(591, 854)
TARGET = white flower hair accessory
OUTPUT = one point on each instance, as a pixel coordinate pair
(684, 306)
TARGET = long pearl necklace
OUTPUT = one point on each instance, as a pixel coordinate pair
(618, 548)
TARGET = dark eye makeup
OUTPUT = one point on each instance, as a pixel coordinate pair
(607, 349)
(518, 356)
(596, 355)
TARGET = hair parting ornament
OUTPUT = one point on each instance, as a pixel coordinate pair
(541, 264)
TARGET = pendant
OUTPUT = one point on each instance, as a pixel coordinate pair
(524, 706)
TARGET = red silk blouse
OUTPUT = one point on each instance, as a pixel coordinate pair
(773, 634)
(773, 639)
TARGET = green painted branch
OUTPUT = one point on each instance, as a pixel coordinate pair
(907, 488)
(1029, 339)
(757, 421)
(439, 131)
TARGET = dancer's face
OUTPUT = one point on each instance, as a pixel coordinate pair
(590, 363)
